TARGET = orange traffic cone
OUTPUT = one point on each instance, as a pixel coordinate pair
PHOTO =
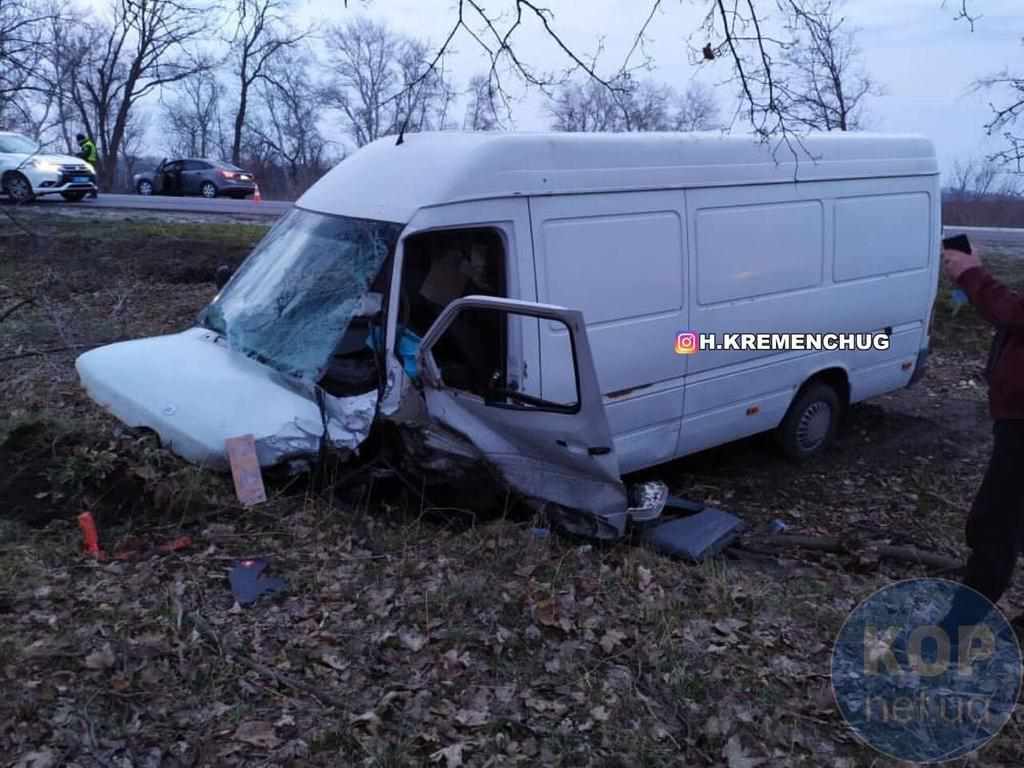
(257, 197)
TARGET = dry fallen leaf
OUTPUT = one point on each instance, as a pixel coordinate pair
(44, 758)
(258, 733)
(472, 718)
(547, 613)
(452, 755)
(101, 659)
(412, 639)
(611, 639)
(645, 578)
(735, 757)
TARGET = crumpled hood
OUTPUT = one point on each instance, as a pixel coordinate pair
(195, 392)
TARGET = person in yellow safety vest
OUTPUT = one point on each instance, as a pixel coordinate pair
(87, 151)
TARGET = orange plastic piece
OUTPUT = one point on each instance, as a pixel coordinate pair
(90, 536)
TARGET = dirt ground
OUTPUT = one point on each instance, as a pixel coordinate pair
(407, 635)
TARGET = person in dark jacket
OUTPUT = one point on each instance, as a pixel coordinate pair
(87, 151)
(995, 524)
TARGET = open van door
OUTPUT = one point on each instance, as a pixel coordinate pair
(553, 446)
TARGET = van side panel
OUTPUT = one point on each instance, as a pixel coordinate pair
(755, 254)
(620, 259)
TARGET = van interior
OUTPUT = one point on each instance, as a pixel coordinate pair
(438, 267)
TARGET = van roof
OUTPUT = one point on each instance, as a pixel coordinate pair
(391, 182)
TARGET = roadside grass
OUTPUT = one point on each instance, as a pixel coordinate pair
(407, 638)
(133, 227)
(234, 232)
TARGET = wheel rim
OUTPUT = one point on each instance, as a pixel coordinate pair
(145, 188)
(209, 190)
(813, 428)
(19, 189)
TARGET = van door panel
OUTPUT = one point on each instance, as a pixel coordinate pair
(562, 455)
(620, 259)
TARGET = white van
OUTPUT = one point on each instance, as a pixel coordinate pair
(513, 302)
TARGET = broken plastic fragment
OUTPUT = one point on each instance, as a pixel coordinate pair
(248, 583)
(245, 470)
(696, 537)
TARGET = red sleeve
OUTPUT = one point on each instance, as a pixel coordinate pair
(993, 300)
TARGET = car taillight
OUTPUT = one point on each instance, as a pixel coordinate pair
(227, 174)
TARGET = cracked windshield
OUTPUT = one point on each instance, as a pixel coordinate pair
(292, 300)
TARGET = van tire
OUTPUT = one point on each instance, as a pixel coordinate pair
(811, 422)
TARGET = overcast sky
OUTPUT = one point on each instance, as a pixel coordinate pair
(925, 60)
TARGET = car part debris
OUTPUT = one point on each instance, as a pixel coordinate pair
(694, 537)
(248, 583)
(90, 536)
(131, 549)
(245, 470)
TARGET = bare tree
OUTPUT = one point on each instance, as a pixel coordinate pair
(288, 124)
(696, 110)
(631, 105)
(147, 45)
(587, 106)
(132, 148)
(974, 179)
(23, 25)
(962, 180)
(382, 82)
(482, 109)
(261, 33)
(825, 88)
(193, 118)
(65, 45)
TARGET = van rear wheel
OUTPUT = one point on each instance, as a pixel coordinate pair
(811, 423)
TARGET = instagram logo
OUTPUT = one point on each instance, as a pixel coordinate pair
(686, 343)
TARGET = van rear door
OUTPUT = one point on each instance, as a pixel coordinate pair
(554, 446)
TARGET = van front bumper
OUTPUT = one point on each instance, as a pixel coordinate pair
(920, 367)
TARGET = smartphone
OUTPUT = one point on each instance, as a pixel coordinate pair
(957, 243)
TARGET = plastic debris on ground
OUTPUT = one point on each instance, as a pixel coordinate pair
(704, 532)
(249, 584)
(130, 549)
(245, 470)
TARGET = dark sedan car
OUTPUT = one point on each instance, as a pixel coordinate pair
(196, 176)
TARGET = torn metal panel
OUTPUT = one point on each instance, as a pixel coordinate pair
(563, 457)
(194, 392)
(291, 302)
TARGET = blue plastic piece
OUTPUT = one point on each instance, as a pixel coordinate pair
(408, 348)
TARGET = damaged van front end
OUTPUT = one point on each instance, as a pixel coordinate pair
(284, 352)
(344, 321)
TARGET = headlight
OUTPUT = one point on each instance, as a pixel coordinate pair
(89, 166)
(46, 166)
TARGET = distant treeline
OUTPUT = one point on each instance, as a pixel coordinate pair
(983, 211)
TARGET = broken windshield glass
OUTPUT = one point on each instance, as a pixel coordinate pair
(292, 300)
